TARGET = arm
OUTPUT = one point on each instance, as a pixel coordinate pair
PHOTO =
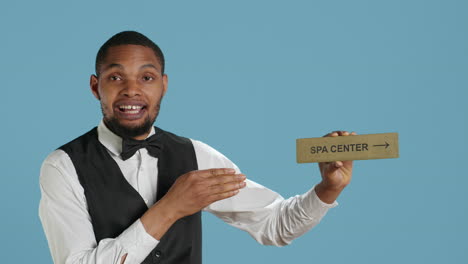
(264, 214)
(67, 224)
(268, 217)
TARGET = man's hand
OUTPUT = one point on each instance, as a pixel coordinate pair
(335, 175)
(191, 193)
(197, 189)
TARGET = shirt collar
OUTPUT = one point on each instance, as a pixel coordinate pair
(110, 140)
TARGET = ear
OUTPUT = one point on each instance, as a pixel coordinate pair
(165, 80)
(94, 84)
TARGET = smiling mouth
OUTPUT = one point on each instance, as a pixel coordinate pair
(131, 109)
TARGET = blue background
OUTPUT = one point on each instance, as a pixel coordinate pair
(248, 78)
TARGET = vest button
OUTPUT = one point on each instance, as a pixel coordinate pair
(158, 254)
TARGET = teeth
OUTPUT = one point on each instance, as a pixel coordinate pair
(128, 107)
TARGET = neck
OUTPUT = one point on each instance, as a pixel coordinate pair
(142, 137)
(123, 132)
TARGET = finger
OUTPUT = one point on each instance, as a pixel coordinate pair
(332, 134)
(331, 165)
(227, 187)
(324, 165)
(338, 164)
(348, 164)
(222, 196)
(215, 172)
(340, 133)
(222, 179)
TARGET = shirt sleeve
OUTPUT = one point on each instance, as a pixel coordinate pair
(67, 223)
(264, 214)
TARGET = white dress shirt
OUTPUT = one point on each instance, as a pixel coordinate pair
(264, 214)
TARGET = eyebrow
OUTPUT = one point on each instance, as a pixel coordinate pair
(112, 65)
(150, 65)
(116, 65)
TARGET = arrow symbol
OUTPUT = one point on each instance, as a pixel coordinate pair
(385, 145)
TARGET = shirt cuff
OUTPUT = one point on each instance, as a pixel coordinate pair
(312, 204)
(137, 242)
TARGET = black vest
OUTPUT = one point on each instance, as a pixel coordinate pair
(114, 204)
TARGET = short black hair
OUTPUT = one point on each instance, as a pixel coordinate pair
(128, 38)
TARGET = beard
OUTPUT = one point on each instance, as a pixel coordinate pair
(123, 131)
(126, 131)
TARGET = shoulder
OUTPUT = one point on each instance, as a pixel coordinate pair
(208, 157)
(57, 159)
(172, 138)
(60, 159)
(81, 143)
(58, 173)
(205, 149)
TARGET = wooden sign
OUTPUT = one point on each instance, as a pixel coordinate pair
(341, 148)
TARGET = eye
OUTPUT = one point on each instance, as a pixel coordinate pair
(148, 78)
(115, 78)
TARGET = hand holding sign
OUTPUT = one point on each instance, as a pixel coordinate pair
(337, 150)
(335, 175)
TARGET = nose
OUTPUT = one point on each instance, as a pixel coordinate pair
(132, 88)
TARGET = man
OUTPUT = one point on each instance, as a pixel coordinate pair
(128, 192)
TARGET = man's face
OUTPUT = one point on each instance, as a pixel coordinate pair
(130, 88)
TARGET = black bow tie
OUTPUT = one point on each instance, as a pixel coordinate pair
(130, 146)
